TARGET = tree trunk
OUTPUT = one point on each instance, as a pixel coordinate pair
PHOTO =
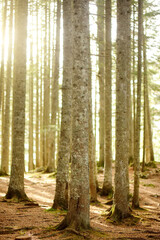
(16, 184)
(121, 199)
(38, 160)
(6, 125)
(78, 213)
(3, 52)
(148, 154)
(61, 193)
(133, 76)
(30, 163)
(107, 184)
(135, 201)
(100, 41)
(55, 90)
(92, 160)
(46, 80)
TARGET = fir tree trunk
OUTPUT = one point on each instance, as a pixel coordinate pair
(107, 184)
(30, 163)
(78, 213)
(38, 162)
(16, 184)
(133, 76)
(92, 161)
(4, 18)
(6, 125)
(121, 165)
(135, 201)
(61, 194)
(46, 93)
(55, 90)
(100, 41)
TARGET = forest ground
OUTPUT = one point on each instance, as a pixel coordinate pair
(34, 221)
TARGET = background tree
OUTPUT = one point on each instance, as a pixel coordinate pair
(107, 184)
(135, 200)
(100, 41)
(62, 178)
(6, 113)
(55, 90)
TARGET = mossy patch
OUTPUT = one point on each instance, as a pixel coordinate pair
(149, 185)
(151, 164)
(56, 211)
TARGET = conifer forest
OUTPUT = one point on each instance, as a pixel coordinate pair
(79, 119)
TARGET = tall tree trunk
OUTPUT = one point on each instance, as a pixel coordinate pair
(129, 107)
(38, 160)
(55, 90)
(135, 201)
(100, 41)
(133, 76)
(92, 160)
(61, 193)
(6, 125)
(107, 184)
(30, 163)
(121, 165)
(16, 184)
(148, 154)
(3, 51)
(78, 213)
(46, 93)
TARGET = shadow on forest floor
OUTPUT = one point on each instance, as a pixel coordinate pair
(32, 221)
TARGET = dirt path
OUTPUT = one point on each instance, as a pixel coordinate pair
(36, 222)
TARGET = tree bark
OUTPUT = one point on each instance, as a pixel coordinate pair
(6, 125)
(121, 199)
(135, 200)
(55, 90)
(16, 184)
(30, 163)
(100, 41)
(78, 213)
(107, 184)
(62, 179)
(4, 18)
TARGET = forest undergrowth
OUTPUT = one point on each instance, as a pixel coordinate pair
(36, 220)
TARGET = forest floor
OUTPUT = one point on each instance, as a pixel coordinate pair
(35, 221)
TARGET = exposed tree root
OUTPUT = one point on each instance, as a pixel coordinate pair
(12, 230)
(117, 217)
(16, 196)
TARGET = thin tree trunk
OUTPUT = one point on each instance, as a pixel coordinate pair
(38, 162)
(107, 184)
(2, 52)
(30, 163)
(100, 41)
(62, 179)
(6, 125)
(92, 161)
(135, 200)
(133, 74)
(46, 93)
(55, 90)
(148, 145)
